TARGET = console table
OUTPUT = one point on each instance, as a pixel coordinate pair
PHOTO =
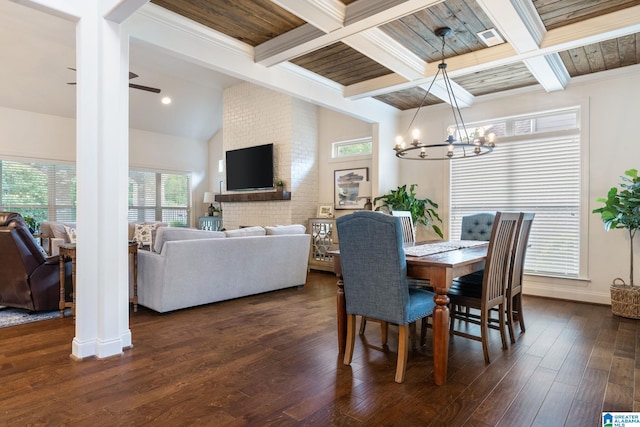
(68, 251)
(324, 238)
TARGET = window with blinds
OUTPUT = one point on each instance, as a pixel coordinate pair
(46, 191)
(38, 190)
(159, 196)
(534, 168)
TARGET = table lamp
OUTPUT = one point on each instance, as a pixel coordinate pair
(208, 198)
(364, 192)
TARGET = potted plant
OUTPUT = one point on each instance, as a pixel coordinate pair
(422, 210)
(622, 210)
(280, 185)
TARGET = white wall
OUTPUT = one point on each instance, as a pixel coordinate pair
(612, 146)
(334, 127)
(25, 135)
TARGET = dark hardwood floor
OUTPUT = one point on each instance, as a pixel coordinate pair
(272, 359)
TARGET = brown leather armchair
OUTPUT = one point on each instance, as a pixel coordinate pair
(28, 278)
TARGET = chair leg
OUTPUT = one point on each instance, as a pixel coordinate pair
(512, 335)
(518, 305)
(363, 324)
(484, 335)
(403, 351)
(501, 322)
(351, 338)
(384, 332)
(423, 331)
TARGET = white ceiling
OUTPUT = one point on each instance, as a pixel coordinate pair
(36, 49)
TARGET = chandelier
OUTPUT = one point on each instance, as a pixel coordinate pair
(460, 143)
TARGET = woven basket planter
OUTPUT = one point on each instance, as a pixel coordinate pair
(625, 300)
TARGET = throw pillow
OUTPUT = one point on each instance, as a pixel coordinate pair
(143, 234)
(71, 233)
(246, 232)
(286, 229)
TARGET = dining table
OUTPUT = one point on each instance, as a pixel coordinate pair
(439, 262)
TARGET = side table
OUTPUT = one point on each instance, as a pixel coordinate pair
(133, 250)
(68, 251)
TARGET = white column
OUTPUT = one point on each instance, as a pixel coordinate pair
(102, 175)
(102, 161)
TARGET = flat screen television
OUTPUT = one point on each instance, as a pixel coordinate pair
(250, 168)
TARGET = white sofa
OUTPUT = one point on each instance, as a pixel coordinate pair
(193, 267)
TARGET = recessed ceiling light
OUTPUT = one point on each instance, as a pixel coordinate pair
(166, 100)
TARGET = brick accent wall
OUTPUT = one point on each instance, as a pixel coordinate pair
(254, 115)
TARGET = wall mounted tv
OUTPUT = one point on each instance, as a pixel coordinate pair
(250, 168)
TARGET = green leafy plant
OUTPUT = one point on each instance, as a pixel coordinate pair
(622, 208)
(423, 211)
(32, 223)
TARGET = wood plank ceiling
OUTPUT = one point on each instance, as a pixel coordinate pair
(387, 49)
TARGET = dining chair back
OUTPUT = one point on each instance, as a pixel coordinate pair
(514, 285)
(374, 271)
(408, 228)
(492, 292)
(477, 226)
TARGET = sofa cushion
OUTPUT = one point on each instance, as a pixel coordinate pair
(166, 234)
(71, 234)
(56, 229)
(246, 232)
(286, 229)
(132, 226)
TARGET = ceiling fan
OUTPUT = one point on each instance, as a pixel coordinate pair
(131, 85)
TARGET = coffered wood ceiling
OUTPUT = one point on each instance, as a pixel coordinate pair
(387, 48)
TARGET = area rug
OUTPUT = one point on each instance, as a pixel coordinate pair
(16, 316)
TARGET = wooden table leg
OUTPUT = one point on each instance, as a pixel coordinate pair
(73, 282)
(61, 303)
(441, 320)
(133, 251)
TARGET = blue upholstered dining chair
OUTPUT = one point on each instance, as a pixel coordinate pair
(374, 271)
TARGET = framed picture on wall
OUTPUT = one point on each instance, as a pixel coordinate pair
(348, 188)
(325, 211)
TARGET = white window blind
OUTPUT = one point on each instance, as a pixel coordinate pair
(159, 196)
(536, 171)
(38, 190)
(46, 191)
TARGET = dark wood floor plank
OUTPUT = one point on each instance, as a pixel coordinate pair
(527, 404)
(556, 405)
(272, 359)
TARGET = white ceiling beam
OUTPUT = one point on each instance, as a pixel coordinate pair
(593, 30)
(463, 98)
(377, 12)
(193, 42)
(610, 26)
(456, 66)
(377, 45)
(326, 15)
(550, 71)
(520, 23)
